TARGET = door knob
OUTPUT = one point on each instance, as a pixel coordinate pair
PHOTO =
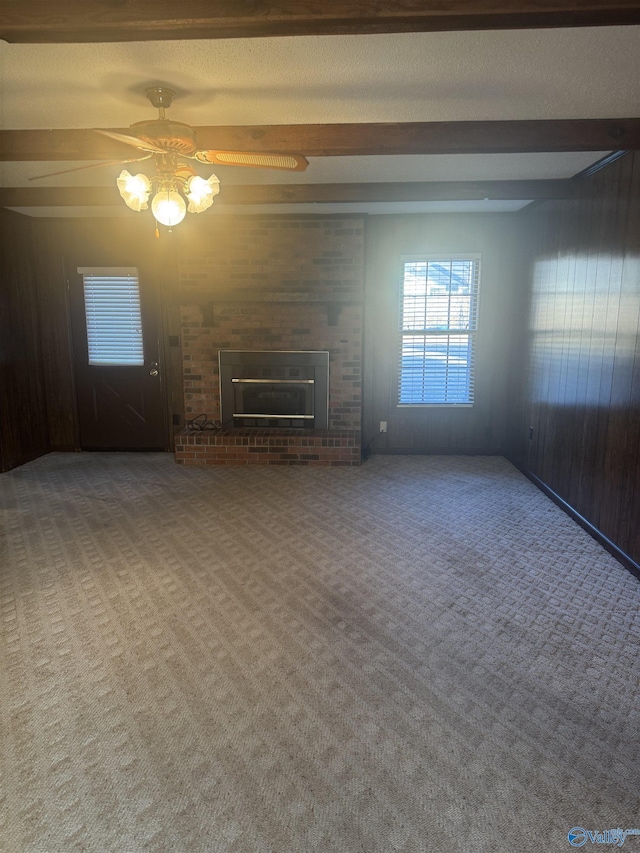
(154, 369)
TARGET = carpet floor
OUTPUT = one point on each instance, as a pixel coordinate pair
(422, 654)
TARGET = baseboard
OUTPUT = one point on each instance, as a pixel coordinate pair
(620, 555)
(402, 451)
(21, 460)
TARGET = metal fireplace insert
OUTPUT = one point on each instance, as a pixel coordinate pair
(264, 388)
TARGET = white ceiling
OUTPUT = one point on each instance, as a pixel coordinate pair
(450, 76)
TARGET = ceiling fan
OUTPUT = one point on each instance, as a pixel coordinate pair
(164, 137)
(170, 144)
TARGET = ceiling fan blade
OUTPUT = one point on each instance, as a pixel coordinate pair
(132, 140)
(92, 166)
(288, 162)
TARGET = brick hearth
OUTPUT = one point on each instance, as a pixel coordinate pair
(268, 447)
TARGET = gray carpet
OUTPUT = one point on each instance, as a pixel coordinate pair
(423, 654)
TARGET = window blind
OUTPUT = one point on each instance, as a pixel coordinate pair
(113, 316)
(438, 322)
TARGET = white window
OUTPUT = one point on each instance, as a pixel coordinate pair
(438, 323)
(112, 309)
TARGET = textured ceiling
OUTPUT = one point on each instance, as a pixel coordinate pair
(534, 74)
(450, 76)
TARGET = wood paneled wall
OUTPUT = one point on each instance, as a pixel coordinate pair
(446, 429)
(23, 410)
(581, 402)
(50, 240)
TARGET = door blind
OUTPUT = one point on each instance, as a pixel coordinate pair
(114, 322)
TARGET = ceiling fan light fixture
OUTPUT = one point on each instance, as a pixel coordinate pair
(168, 206)
(201, 192)
(134, 189)
(170, 143)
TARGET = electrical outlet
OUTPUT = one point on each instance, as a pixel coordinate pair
(383, 426)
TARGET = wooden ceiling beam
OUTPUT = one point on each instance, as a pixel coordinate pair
(394, 192)
(332, 140)
(307, 193)
(51, 21)
(59, 196)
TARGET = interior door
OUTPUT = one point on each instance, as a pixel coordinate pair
(115, 323)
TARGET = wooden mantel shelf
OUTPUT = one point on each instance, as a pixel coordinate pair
(190, 296)
(334, 303)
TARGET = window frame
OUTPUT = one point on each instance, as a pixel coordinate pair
(471, 334)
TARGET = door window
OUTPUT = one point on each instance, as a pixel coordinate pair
(113, 316)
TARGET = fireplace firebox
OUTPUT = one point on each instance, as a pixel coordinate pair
(264, 388)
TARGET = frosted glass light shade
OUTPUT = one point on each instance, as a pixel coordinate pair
(201, 193)
(134, 189)
(168, 207)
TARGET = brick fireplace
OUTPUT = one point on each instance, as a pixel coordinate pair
(274, 284)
